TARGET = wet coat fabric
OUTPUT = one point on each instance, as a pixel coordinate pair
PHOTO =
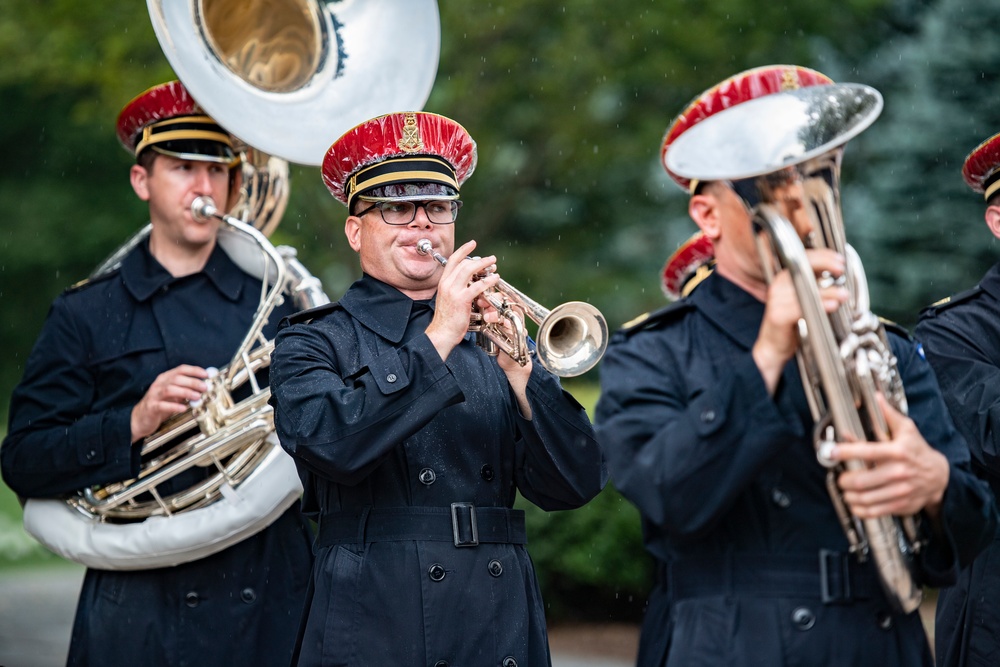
(387, 437)
(961, 338)
(102, 345)
(734, 504)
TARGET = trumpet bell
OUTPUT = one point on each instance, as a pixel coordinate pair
(572, 339)
(290, 76)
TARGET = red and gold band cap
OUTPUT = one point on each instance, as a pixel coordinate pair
(690, 264)
(982, 167)
(747, 85)
(166, 119)
(400, 149)
(423, 169)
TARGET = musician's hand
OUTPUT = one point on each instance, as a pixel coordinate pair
(455, 294)
(778, 339)
(169, 395)
(517, 375)
(906, 474)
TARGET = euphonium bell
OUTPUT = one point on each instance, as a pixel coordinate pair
(572, 337)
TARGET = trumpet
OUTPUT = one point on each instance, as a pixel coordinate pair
(572, 337)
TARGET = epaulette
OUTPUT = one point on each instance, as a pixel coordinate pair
(897, 329)
(308, 315)
(91, 280)
(656, 318)
(949, 301)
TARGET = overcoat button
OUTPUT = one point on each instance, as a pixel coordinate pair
(248, 595)
(436, 572)
(780, 498)
(91, 454)
(487, 472)
(509, 662)
(803, 618)
(191, 599)
(441, 663)
(708, 416)
(391, 377)
(495, 567)
(885, 620)
(427, 476)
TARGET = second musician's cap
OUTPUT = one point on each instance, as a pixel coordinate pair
(406, 155)
(690, 264)
(739, 88)
(166, 119)
(982, 167)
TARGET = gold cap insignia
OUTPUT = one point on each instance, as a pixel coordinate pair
(790, 80)
(410, 142)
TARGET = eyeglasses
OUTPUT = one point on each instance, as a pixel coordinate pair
(440, 212)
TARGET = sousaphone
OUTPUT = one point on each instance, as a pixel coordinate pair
(285, 78)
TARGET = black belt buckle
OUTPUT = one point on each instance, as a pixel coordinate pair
(834, 577)
(463, 525)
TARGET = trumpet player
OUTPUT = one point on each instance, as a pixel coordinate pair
(707, 430)
(411, 440)
(117, 356)
(959, 335)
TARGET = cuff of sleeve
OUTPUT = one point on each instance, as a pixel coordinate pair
(424, 349)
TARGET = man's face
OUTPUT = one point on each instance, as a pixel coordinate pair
(170, 186)
(389, 252)
(735, 246)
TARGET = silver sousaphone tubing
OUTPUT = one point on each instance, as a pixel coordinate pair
(290, 76)
(286, 78)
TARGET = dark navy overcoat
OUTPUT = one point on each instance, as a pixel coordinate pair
(391, 440)
(961, 338)
(734, 503)
(102, 345)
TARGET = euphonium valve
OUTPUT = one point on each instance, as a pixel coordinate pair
(572, 337)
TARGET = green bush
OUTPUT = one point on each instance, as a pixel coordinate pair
(590, 561)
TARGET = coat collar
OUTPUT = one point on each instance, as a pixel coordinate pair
(143, 275)
(991, 281)
(729, 307)
(379, 306)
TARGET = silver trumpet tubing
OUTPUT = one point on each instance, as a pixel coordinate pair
(572, 337)
(844, 357)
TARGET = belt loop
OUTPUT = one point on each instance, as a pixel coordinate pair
(834, 577)
(363, 523)
(470, 536)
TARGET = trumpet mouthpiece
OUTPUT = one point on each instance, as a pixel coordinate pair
(424, 247)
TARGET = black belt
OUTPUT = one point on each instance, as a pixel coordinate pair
(832, 577)
(462, 524)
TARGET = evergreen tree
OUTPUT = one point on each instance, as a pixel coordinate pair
(918, 227)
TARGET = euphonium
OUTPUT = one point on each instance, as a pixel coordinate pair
(572, 337)
(844, 357)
